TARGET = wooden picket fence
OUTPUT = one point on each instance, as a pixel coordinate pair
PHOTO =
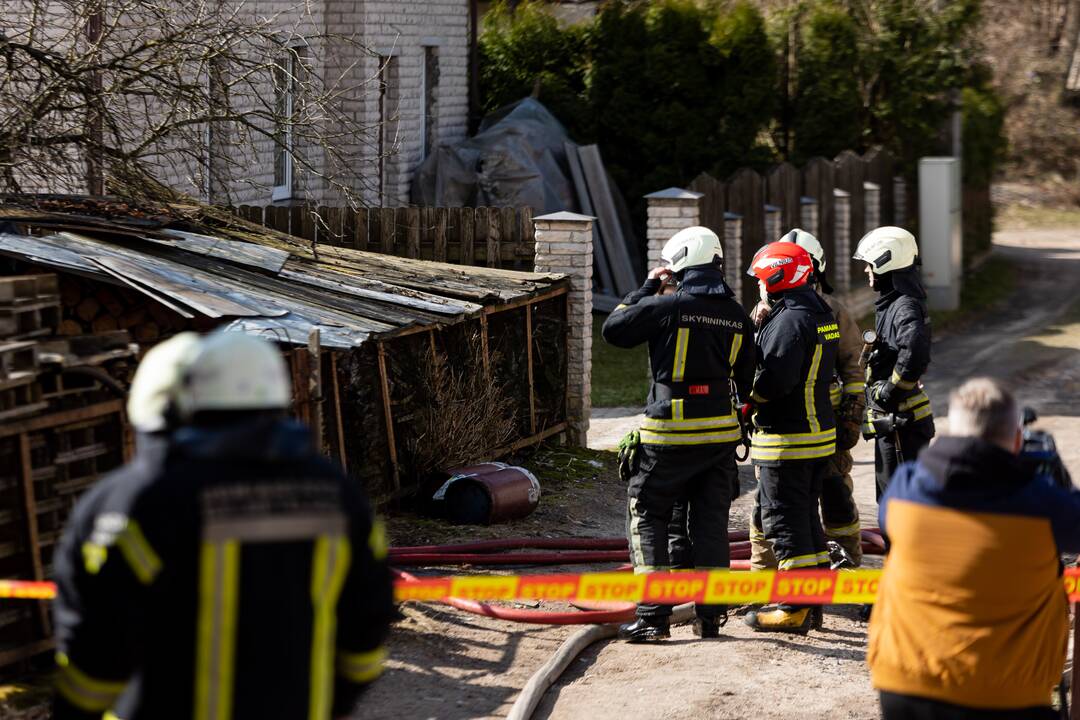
(838, 200)
(488, 236)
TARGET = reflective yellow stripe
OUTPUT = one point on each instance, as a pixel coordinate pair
(637, 556)
(619, 307)
(677, 410)
(377, 539)
(682, 340)
(843, 531)
(800, 453)
(899, 382)
(736, 344)
(215, 656)
(835, 396)
(361, 667)
(914, 401)
(83, 691)
(144, 562)
(757, 398)
(808, 391)
(854, 388)
(329, 565)
(800, 561)
(924, 412)
(710, 423)
(764, 439)
(654, 438)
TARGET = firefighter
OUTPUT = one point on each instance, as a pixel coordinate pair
(794, 426)
(700, 341)
(898, 414)
(241, 577)
(839, 512)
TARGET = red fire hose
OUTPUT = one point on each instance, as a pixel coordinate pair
(577, 551)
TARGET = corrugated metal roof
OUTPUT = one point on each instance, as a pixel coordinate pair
(268, 284)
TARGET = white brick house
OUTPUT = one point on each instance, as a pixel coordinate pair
(412, 59)
(397, 70)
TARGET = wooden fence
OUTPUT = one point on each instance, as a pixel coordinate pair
(494, 237)
(837, 200)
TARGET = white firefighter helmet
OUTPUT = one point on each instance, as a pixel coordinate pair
(234, 371)
(692, 246)
(809, 243)
(888, 248)
(155, 388)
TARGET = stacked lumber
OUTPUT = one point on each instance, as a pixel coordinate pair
(615, 249)
(61, 427)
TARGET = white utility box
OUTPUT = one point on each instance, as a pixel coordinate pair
(940, 239)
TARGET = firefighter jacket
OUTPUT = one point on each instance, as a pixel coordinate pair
(700, 340)
(902, 352)
(796, 360)
(239, 576)
(849, 376)
(970, 608)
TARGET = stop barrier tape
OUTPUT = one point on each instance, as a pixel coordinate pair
(804, 587)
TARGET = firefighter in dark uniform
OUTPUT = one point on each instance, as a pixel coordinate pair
(839, 512)
(241, 577)
(794, 426)
(898, 413)
(700, 341)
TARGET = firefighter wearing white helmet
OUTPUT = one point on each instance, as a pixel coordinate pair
(840, 514)
(898, 411)
(182, 560)
(700, 340)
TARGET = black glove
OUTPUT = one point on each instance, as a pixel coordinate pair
(882, 394)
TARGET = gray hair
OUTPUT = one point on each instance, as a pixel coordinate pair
(983, 408)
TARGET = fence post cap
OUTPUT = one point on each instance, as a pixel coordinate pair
(728, 215)
(674, 193)
(564, 216)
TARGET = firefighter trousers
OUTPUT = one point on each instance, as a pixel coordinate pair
(893, 449)
(839, 513)
(789, 492)
(699, 476)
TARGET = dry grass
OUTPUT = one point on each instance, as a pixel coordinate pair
(471, 412)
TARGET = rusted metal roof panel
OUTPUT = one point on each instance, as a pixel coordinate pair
(260, 283)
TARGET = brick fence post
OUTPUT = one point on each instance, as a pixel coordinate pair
(564, 244)
(670, 211)
(872, 191)
(842, 234)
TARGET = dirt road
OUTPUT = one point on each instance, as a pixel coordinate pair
(449, 665)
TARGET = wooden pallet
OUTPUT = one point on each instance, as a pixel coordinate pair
(17, 358)
(20, 397)
(30, 320)
(16, 289)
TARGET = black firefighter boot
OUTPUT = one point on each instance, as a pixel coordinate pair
(645, 630)
(709, 627)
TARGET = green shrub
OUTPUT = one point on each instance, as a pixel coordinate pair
(525, 51)
(985, 144)
(828, 115)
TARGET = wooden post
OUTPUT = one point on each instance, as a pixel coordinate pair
(468, 235)
(360, 229)
(438, 249)
(529, 354)
(33, 545)
(434, 351)
(388, 417)
(314, 348)
(483, 341)
(339, 425)
(412, 232)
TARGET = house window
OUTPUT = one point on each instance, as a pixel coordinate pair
(286, 71)
(429, 118)
(389, 99)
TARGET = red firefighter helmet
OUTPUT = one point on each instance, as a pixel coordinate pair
(782, 266)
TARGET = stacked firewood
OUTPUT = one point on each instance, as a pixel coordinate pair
(93, 307)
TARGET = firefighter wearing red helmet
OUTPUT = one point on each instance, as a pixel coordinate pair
(794, 425)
